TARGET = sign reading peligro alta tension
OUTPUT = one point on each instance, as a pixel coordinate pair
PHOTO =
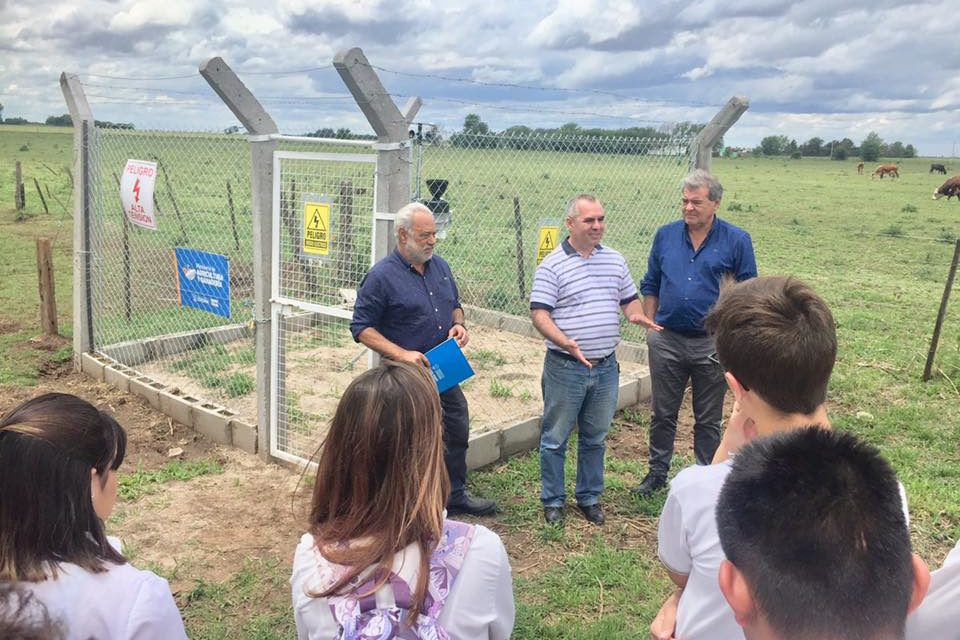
(136, 192)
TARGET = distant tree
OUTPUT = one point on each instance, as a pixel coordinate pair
(325, 132)
(1, 112)
(895, 150)
(63, 120)
(791, 148)
(343, 133)
(472, 124)
(774, 145)
(232, 129)
(909, 151)
(16, 121)
(812, 147)
(871, 147)
(106, 124)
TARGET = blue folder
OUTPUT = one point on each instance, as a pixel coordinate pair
(448, 364)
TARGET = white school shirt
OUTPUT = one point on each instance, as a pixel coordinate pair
(121, 603)
(938, 616)
(480, 605)
(688, 543)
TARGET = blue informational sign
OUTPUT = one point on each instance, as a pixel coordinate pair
(204, 281)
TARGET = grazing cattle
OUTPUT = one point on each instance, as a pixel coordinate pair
(949, 188)
(887, 169)
(939, 168)
(860, 168)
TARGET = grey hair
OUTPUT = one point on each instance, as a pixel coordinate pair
(404, 218)
(572, 205)
(700, 178)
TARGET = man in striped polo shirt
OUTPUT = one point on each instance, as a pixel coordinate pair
(578, 292)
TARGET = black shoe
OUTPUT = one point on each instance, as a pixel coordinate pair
(650, 485)
(553, 515)
(593, 513)
(472, 506)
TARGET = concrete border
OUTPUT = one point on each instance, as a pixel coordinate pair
(218, 423)
(221, 424)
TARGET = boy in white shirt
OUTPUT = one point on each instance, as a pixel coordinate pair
(816, 540)
(776, 341)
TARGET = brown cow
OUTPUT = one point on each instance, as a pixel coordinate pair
(887, 169)
(860, 168)
(949, 188)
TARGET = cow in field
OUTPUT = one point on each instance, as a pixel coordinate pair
(887, 169)
(939, 168)
(949, 188)
(860, 168)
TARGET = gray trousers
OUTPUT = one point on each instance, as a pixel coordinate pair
(673, 359)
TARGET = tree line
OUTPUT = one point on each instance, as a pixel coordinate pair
(571, 137)
(64, 120)
(871, 149)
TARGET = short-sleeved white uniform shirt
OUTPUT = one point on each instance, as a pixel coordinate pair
(688, 543)
(938, 616)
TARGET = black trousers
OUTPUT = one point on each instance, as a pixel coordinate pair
(456, 435)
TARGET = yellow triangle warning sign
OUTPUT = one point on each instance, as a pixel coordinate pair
(316, 226)
(547, 240)
(316, 222)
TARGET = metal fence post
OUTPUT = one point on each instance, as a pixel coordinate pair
(719, 125)
(259, 125)
(391, 127)
(83, 123)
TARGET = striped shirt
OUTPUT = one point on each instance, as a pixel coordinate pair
(584, 296)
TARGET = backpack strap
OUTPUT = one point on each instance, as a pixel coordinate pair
(361, 618)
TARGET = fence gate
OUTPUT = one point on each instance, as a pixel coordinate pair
(323, 213)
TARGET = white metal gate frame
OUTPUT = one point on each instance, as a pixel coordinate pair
(280, 304)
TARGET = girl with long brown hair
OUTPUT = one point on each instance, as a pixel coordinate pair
(59, 457)
(379, 553)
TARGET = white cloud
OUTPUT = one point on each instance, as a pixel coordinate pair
(144, 13)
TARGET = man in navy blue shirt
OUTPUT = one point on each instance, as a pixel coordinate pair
(688, 261)
(407, 304)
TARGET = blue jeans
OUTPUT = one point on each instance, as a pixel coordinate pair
(573, 393)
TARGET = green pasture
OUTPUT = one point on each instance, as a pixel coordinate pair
(877, 250)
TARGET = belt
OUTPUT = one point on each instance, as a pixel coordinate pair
(593, 361)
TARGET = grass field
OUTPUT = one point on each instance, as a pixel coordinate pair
(878, 251)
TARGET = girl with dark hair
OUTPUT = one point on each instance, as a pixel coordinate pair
(59, 457)
(380, 558)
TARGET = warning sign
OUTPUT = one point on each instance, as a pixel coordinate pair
(547, 240)
(136, 192)
(316, 228)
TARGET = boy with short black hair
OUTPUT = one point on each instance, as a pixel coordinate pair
(816, 539)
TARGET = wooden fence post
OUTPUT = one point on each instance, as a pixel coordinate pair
(943, 312)
(48, 300)
(18, 193)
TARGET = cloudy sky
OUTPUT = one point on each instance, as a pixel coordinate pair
(809, 68)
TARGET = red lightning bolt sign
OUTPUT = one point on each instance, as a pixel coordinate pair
(136, 190)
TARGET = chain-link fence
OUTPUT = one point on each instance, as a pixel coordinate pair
(494, 194)
(201, 201)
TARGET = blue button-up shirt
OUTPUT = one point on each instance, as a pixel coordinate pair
(411, 310)
(687, 282)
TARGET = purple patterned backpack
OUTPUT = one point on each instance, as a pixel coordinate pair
(362, 619)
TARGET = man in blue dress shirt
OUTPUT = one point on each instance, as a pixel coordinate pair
(407, 304)
(688, 261)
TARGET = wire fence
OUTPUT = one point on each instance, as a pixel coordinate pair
(492, 197)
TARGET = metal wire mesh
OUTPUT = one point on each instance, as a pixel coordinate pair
(202, 202)
(323, 247)
(500, 191)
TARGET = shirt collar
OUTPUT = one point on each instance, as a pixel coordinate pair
(406, 263)
(569, 250)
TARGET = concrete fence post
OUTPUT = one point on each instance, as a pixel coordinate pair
(719, 125)
(83, 131)
(259, 125)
